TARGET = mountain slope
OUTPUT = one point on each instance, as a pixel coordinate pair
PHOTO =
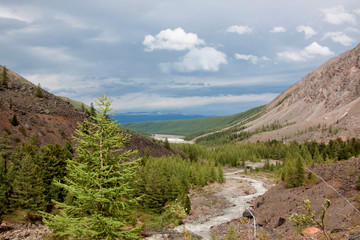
(324, 104)
(48, 117)
(191, 126)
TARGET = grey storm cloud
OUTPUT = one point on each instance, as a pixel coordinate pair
(173, 54)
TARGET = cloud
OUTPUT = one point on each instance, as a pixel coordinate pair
(206, 59)
(168, 39)
(308, 31)
(20, 14)
(337, 15)
(72, 21)
(340, 37)
(305, 54)
(53, 54)
(240, 29)
(106, 36)
(278, 29)
(251, 58)
(352, 30)
(357, 11)
(149, 102)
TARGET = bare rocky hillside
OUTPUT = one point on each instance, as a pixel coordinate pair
(273, 209)
(325, 104)
(49, 117)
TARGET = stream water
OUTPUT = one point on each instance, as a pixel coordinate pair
(241, 203)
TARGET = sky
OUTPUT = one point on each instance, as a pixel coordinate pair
(207, 57)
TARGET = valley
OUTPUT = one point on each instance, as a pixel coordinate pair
(201, 174)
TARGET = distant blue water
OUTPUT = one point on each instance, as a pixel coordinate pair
(144, 117)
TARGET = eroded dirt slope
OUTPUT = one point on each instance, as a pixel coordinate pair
(280, 202)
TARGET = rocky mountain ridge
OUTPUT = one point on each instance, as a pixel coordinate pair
(48, 117)
(325, 104)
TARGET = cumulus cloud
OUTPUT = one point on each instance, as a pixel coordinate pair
(206, 59)
(340, 37)
(168, 39)
(240, 29)
(307, 53)
(357, 11)
(308, 31)
(337, 15)
(251, 58)
(278, 29)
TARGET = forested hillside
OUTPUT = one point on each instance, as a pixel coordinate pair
(193, 127)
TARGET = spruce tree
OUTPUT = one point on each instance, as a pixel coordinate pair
(100, 182)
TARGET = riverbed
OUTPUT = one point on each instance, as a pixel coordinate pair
(238, 200)
(171, 138)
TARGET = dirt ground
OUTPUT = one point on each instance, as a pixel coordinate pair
(343, 216)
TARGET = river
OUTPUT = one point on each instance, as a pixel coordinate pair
(241, 203)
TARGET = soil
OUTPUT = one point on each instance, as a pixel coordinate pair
(281, 202)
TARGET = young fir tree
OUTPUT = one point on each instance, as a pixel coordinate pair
(100, 182)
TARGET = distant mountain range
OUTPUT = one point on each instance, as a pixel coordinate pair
(152, 116)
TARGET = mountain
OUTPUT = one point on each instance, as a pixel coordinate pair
(325, 104)
(186, 127)
(52, 119)
(151, 116)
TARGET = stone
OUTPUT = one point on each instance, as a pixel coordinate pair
(310, 231)
(247, 214)
(281, 221)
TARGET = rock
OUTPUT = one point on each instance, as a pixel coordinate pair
(281, 221)
(310, 231)
(247, 214)
(337, 229)
(355, 237)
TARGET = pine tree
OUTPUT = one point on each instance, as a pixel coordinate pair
(100, 182)
(39, 91)
(14, 120)
(4, 78)
(53, 166)
(28, 190)
(167, 144)
(4, 187)
(82, 107)
(92, 110)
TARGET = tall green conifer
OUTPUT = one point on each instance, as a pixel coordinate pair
(100, 181)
